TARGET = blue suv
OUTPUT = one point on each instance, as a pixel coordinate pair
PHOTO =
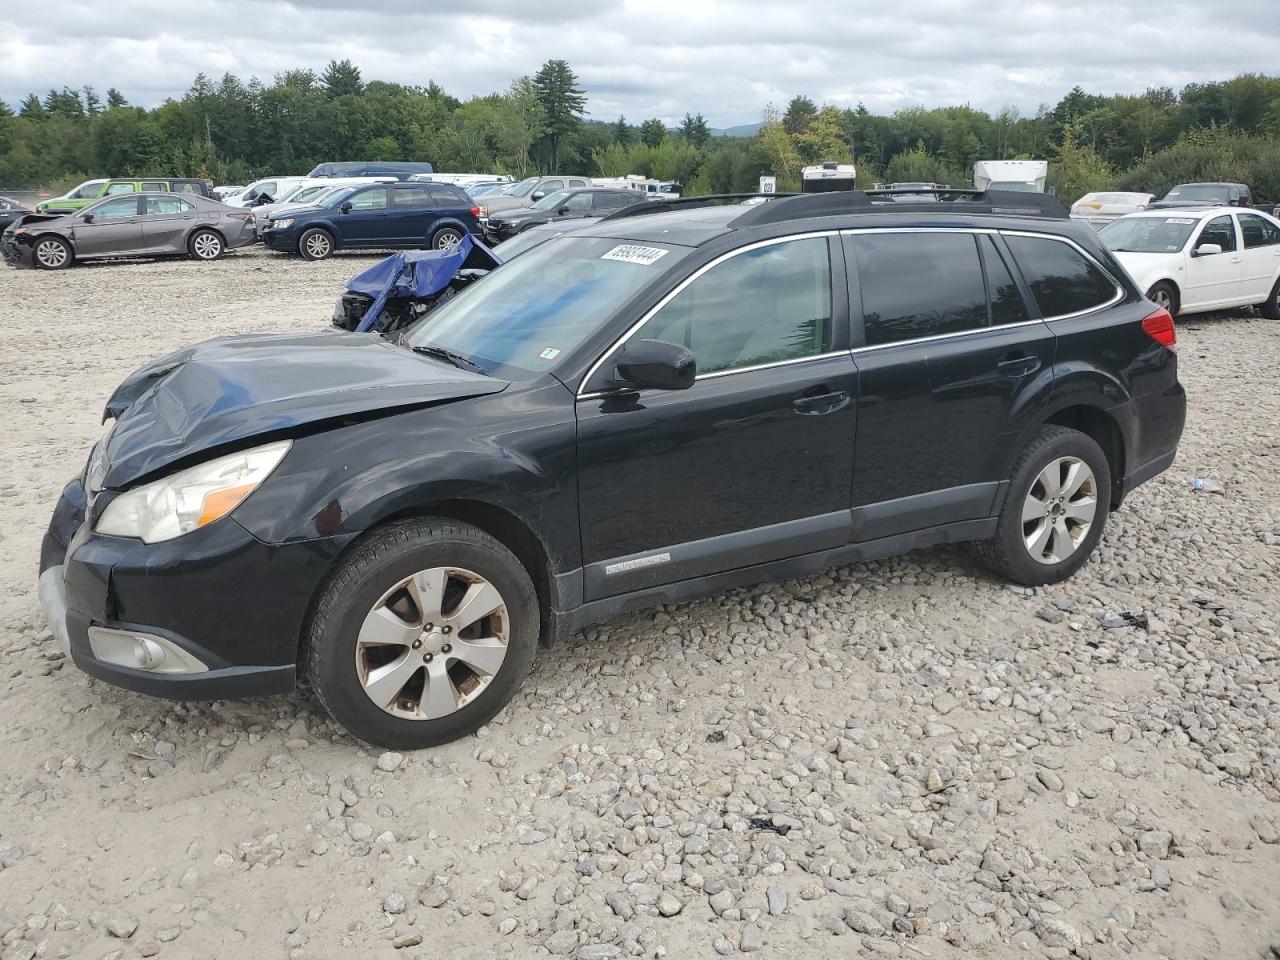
(379, 215)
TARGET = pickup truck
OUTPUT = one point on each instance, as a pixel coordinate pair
(1205, 195)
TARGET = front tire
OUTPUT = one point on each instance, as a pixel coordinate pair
(424, 633)
(446, 238)
(52, 253)
(315, 244)
(1164, 294)
(1055, 509)
(206, 245)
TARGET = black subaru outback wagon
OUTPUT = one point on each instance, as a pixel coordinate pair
(680, 399)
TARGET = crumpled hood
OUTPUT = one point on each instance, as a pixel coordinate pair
(227, 390)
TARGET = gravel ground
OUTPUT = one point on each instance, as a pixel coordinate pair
(904, 755)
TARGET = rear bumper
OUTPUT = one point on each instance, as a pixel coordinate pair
(1155, 423)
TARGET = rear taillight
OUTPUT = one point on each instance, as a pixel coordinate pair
(1159, 327)
(475, 211)
(240, 216)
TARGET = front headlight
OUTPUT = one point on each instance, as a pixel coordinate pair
(191, 498)
(286, 222)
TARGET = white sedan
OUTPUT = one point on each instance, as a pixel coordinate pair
(1192, 261)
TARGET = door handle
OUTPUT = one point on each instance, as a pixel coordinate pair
(820, 404)
(1019, 365)
(1235, 259)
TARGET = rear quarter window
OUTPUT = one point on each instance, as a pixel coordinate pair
(1062, 279)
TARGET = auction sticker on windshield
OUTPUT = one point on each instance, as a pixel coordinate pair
(1178, 220)
(630, 253)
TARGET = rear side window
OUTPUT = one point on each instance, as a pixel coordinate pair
(1258, 232)
(918, 285)
(1005, 297)
(152, 186)
(1062, 280)
(606, 202)
(159, 206)
(411, 197)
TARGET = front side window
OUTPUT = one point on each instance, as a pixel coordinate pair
(551, 201)
(1062, 279)
(918, 285)
(763, 305)
(1219, 230)
(527, 317)
(551, 186)
(375, 199)
(121, 209)
(114, 188)
(165, 206)
(1258, 232)
(578, 203)
(88, 190)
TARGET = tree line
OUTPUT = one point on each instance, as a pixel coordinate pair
(232, 131)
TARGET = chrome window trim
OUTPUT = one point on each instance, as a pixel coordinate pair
(944, 336)
(649, 314)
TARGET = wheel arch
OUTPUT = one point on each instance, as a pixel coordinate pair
(1105, 430)
(448, 222)
(204, 226)
(505, 526)
(323, 225)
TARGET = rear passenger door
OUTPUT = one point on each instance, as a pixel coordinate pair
(165, 222)
(1261, 255)
(952, 366)
(411, 213)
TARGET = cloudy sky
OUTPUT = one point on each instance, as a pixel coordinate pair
(642, 58)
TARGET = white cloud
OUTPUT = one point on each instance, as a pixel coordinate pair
(647, 58)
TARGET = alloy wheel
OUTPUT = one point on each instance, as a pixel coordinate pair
(447, 240)
(207, 246)
(1059, 510)
(1162, 299)
(51, 254)
(432, 643)
(318, 246)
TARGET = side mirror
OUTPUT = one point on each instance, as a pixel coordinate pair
(656, 365)
(87, 218)
(563, 211)
(1207, 250)
(538, 195)
(346, 207)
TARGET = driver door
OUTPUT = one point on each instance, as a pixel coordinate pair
(367, 223)
(115, 228)
(1214, 279)
(752, 463)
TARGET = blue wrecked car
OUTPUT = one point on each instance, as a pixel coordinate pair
(406, 286)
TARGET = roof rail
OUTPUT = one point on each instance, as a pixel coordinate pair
(684, 203)
(840, 203)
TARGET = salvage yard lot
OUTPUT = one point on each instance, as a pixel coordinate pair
(953, 767)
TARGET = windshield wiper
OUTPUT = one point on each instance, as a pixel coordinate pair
(437, 352)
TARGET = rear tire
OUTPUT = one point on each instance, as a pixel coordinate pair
(1055, 509)
(1271, 309)
(393, 653)
(206, 245)
(52, 253)
(1164, 294)
(315, 244)
(446, 238)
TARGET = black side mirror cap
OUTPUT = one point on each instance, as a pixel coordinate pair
(656, 365)
(87, 218)
(346, 207)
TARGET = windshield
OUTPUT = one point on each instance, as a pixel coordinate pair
(1015, 185)
(524, 242)
(335, 198)
(551, 200)
(522, 189)
(524, 318)
(90, 188)
(1147, 234)
(1198, 191)
(308, 194)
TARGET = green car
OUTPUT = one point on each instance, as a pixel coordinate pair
(91, 191)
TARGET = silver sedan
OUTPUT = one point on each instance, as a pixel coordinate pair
(137, 225)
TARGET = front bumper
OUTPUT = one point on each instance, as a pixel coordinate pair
(15, 254)
(282, 240)
(217, 598)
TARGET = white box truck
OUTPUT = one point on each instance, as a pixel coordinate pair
(1024, 176)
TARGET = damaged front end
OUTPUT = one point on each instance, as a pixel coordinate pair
(406, 286)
